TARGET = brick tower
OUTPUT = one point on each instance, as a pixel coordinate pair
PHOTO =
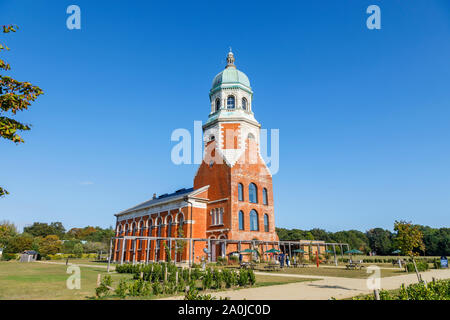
(240, 194)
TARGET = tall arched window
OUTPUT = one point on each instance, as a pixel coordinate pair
(254, 225)
(169, 227)
(217, 104)
(241, 220)
(240, 192)
(141, 233)
(266, 223)
(231, 103)
(244, 103)
(134, 233)
(158, 233)
(149, 227)
(265, 201)
(252, 193)
(180, 224)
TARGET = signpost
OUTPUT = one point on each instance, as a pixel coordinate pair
(444, 262)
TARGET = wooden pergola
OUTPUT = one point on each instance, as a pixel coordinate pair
(284, 246)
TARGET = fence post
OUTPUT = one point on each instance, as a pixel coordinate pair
(376, 293)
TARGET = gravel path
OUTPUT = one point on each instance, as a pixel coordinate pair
(327, 288)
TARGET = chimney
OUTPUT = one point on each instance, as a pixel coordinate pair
(154, 196)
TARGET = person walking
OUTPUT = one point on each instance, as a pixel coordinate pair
(287, 261)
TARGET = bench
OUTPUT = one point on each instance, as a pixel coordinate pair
(247, 265)
(303, 265)
(354, 266)
(272, 267)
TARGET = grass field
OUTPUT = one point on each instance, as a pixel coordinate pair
(48, 281)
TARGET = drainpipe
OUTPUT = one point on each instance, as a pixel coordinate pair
(186, 199)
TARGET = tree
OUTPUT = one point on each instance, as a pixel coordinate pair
(49, 245)
(14, 96)
(19, 243)
(7, 230)
(409, 238)
(380, 241)
(78, 250)
(40, 229)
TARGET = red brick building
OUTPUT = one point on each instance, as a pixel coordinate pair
(230, 206)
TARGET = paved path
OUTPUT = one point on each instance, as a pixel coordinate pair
(327, 288)
(111, 268)
(324, 289)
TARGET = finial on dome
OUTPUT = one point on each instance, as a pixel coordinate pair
(230, 60)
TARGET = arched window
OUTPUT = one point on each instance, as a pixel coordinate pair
(240, 192)
(266, 223)
(241, 220)
(244, 103)
(252, 193)
(141, 233)
(134, 233)
(169, 227)
(217, 104)
(158, 233)
(149, 226)
(180, 225)
(254, 225)
(141, 228)
(231, 103)
(265, 201)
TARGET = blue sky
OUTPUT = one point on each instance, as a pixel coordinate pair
(363, 114)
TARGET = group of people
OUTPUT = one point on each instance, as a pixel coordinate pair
(284, 258)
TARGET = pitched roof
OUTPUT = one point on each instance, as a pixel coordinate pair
(179, 194)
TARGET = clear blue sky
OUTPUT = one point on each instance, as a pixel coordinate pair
(364, 115)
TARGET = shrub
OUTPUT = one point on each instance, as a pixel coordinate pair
(233, 259)
(421, 266)
(121, 289)
(221, 261)
(251, 277)
(437, 264)
(157, 288)
(207, 279)
(243, 278)
(8, 256)
(193, 294)
(103, 289)
(229, 278)
(218, 279)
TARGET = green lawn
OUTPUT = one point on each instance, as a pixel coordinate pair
(48, 281)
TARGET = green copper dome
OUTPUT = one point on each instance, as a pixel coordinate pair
(231, 75)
